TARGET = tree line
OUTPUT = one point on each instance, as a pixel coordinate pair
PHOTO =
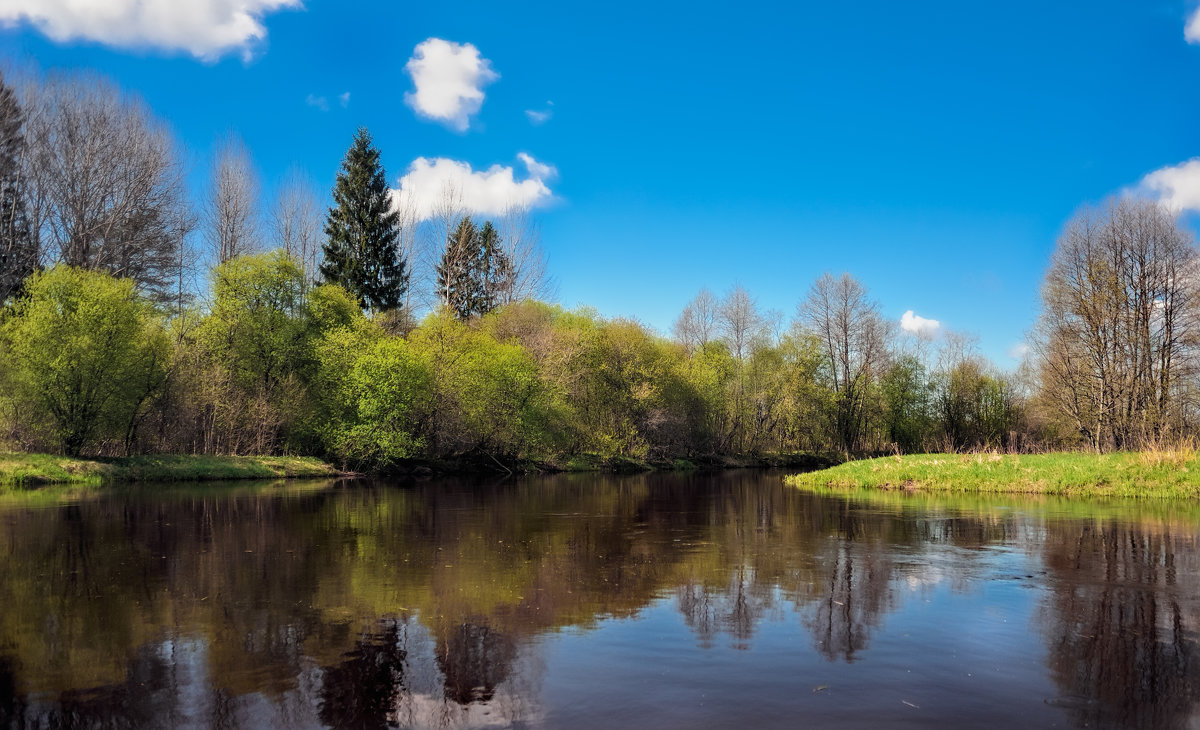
(304, 336)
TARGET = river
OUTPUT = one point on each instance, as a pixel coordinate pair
(591, 601)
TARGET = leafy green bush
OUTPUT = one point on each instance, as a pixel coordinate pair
(83, 354)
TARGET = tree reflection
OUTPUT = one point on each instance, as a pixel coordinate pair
(734, 609)
(474, 659)
(384, 607)
(1121, 632)
(363, 690)
(857, 591)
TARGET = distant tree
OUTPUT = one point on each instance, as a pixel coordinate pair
(739, 322)
(106, 183)
(230, 217)
(853, 336)
(520, 239)
(697, 324)
(362, 230)
(296, 222)
(475, 274)
(18, 248)
(906, 399)
(495, 270)
(458, 287)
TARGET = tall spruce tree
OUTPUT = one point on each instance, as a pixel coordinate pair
(495, 270)
(474, 275)
(457, 277)
(362, 230)
(18, 247)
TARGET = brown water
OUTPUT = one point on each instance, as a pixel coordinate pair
(596, 602)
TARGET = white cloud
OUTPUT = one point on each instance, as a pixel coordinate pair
(537, 170)
(449, 79)
(479, 192)
(916, 325)
(1191, 31)
(206, 29)
(318, 102)
(538, 117)
(1018, 351)
(1177, 187)
(344, 99)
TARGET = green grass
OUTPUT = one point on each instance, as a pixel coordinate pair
(1184, 513)
(1147, 475)
(23, 471)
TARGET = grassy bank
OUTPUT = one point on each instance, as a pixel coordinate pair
(1148, 475)
(31, 470)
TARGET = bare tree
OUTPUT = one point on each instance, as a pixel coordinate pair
(854, 338)
(408, 243)
(426, 238)
(105, 182)
(1117, 338)
(521, 243)
(231, 205)
(739, 322)
(697, 324)
(296, 222)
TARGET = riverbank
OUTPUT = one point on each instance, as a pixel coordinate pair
(34, 470)
(483, 464)
(1145, 475)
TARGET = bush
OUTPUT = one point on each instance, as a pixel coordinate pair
(83, 354)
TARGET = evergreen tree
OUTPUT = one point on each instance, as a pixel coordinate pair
(18, 247)
(362, 229)
(458, 281)
(495, 269)
(474, 275)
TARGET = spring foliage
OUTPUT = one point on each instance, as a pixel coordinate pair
(273, 365)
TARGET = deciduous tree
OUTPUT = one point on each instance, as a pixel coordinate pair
(106, 183)
(854, 339)
(230, 218)
(83, 355)
(1118, 335)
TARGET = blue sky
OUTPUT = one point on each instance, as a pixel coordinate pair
(933, 149)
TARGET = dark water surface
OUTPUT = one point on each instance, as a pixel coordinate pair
(596, 602)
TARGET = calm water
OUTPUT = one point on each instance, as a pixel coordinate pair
(596, 602)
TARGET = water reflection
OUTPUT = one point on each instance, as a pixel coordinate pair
(1121, 625)
(444, 604)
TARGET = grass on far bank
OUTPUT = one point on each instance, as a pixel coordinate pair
(32, 470)
(1165, 474)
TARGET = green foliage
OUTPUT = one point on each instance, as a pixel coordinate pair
(363, 229)
(906, 396)
(257, 329)
(488, 396)
(376, 392)
(275, 367)
(975, 409)
(330, 307)
(82, 355)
